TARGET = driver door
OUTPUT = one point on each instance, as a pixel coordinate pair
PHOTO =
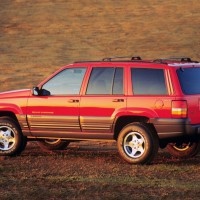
(57, 115)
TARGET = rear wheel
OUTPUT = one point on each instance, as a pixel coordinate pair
(137, 144)
(53, 144)
(11, 140)
(184, 149)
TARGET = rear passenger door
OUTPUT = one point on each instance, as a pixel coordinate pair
(103, 99)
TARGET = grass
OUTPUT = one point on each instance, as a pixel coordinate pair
(96, 171)
(36, 38)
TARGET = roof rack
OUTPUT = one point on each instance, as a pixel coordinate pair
(179, 59)
(139, 59)
(133, 58)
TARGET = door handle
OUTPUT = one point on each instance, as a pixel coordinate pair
(118, 100)
(73, 100)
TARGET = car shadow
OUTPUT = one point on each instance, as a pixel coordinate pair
(103, 150)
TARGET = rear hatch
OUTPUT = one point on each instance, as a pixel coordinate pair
(189, 78)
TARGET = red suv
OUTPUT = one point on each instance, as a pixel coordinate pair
(142, 104)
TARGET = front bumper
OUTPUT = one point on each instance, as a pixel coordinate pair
(170, 128)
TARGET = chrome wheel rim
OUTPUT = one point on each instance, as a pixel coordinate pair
(182, 147)
(7, 138)
(134, 144)
(52, 141)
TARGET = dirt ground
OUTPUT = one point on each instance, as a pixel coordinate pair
(94, 170)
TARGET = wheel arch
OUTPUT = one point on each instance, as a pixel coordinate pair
(122, 121)
(9, 114)
(12, 111)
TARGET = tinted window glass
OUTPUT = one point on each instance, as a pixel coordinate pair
(101, 80)
(189, 80)
(148, 81)
(118, 82)
(66, 82)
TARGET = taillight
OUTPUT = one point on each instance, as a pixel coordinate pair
(179, 109)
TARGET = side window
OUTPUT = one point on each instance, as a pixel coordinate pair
(66, 82)
(147, 81)
(105, 80)
(118, 86)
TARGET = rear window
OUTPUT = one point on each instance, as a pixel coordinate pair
(190, 80)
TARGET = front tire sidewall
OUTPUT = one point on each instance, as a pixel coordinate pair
(147, 155)
(18, 137)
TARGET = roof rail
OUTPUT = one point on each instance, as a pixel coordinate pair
(133, 58)
(85, 61)
(182, 59)
(179, 59)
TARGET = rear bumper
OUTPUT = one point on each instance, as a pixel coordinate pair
(170, 128)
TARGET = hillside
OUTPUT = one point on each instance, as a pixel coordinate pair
(38, 37)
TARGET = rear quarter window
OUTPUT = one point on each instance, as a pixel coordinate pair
(147, 81)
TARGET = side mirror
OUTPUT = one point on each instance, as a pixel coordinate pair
(36, 91)
(44, 92)
(40, 92)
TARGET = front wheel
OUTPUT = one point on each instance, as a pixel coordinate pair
(137, 144)
(185, 149)
(11, 140)
(53, 144)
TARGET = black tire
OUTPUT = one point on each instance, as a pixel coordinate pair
(53, 144)
(184, 149)
(23, 146)
(137, 144)
(11, 140)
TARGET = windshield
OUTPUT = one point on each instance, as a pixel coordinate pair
(190, 80)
